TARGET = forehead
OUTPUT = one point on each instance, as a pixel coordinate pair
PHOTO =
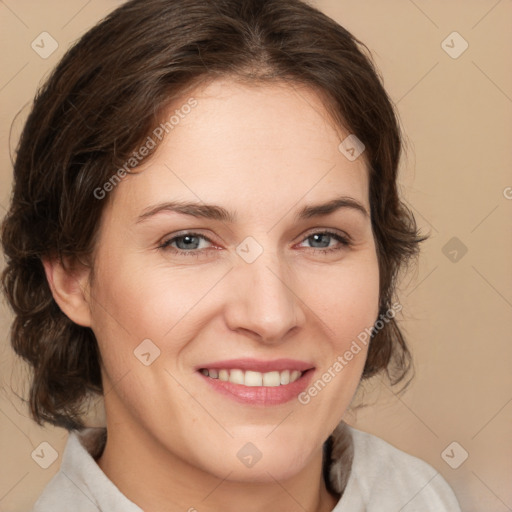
(254, 147)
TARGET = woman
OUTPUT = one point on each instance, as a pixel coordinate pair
(205, 228)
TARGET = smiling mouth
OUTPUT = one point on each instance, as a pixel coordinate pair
(251, 378)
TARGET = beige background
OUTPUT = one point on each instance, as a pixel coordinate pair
(456, 177)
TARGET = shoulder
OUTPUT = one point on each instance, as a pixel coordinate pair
(66, 490)
(60, 495)
(387, 478)
(80, 485)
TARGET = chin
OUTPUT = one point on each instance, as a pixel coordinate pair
(258, 462)
(261, 472)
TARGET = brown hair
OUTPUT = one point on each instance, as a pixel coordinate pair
(100, 104)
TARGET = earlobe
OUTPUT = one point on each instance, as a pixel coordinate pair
(70, 289)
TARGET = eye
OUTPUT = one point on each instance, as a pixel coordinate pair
(187, 244)
(323, 238)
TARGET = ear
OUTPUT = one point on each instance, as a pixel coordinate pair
(70, 288)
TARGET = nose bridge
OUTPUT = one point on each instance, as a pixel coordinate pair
(265, 302)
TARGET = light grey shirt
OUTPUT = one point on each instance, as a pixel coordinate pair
(382, 479)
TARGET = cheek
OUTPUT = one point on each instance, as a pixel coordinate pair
(134, 302)
(346, 298)
(133, 296)
(348, 306)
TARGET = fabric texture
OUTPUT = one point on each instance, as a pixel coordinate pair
(381, 478)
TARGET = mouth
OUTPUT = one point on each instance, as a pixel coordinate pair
(245, 384)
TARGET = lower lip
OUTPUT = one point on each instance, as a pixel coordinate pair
(261, 395)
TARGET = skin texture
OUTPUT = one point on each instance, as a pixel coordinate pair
(262, 152)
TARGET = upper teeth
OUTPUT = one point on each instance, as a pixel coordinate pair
(250, 378)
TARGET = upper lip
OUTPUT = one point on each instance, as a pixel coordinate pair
(259, 365)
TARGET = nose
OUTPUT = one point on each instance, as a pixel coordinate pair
(263, 303)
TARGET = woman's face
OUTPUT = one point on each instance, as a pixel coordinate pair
(245, 278)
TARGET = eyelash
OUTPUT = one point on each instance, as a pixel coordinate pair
(344, 243)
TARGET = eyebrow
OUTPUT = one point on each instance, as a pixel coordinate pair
(215, 212)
